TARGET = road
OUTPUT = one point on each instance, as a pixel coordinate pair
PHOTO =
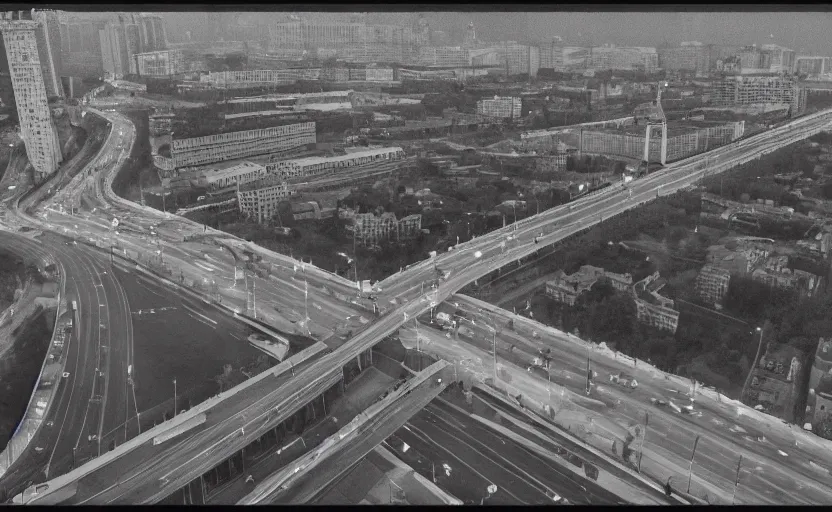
(771, 477)
(319, 468)
(105, 343)
(476, 457)
(568, 220)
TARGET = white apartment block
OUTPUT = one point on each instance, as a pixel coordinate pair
(624, 58)
(444, 56)
(36, 126)
(317, 166)
(781, 60)
(261, 199)
(161, 63)
(370, 229)
(750, 90)
(506, 107)
(240, 174)
(229, 146)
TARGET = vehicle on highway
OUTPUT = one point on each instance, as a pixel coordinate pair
(65, 374)
(555, 497)
(658, 402)
(50, 423)
(624, 379)
(38, 449)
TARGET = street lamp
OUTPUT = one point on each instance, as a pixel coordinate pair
(174, 397)
(756, 358)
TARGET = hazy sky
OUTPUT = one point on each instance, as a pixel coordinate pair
(805, 32)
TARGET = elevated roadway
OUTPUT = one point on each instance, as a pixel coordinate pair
(301, 480)
(465, 266)
(726, 433)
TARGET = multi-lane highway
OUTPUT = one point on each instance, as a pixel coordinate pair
(87, 400)
(771, 477)
(484, 255)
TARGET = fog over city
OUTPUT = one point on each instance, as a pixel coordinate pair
(415, 258)
(806, 32)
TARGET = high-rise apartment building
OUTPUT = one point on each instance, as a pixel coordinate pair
(780, 59)
(36, 126)
(551, 56)
(519, 58)
(48, 38)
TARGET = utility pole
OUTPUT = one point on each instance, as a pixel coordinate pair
(643, 439)
(737, 482)
(174, 397)
(690, 468)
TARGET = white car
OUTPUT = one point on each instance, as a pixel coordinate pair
(66, 374)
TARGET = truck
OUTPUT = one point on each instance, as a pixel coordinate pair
(74, 306)
(443, 319)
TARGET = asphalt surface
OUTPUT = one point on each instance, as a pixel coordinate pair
(466, 457)
(75, 412)
(769, 476)
(149, 470)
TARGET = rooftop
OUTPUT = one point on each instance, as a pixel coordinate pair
(312, 160)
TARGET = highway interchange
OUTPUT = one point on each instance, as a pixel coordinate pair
(465, 264)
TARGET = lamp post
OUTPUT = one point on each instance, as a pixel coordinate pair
(690, 468)
(756, 358)
(174, 397)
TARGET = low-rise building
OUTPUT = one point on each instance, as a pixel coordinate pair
(507, 107)
(242, 173)
(306, 210)
(161, 63)
(776, 272)
(740, 256)
(567, 288)
(712, 283)
(319, 166)
(652, 308)
(370, 229)
(775, 381)
(260, 199)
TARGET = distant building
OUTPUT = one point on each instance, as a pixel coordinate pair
(652, 308)
(815, 68)
(519, 59)
(776, 272)
(160, 63)
(444, 56)
(624, 58)
(319, 166)
(740, 256)
(691, 56)
(306, 210)
(712, 284)
(507, 107)
(759, 89)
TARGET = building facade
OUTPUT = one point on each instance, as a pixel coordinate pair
(712, 284)
(229, 146)
(652, 308)
(48, 37)
(260, 199)
(370, 229)
(624, 58)
(240, 174)
(159, 63)
(759, 89)
(690, 56)
(507, 107)
(444, 56)
(567, 288)
(518, 59)
(36, 126)
(815, 68)
(319, 166)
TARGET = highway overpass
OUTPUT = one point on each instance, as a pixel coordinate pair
(479, 257)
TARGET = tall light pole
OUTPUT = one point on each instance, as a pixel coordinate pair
(690, 468)
(756, 358)
(737, 482)
(174, 398)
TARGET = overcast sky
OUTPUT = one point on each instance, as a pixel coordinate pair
(805, 32)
